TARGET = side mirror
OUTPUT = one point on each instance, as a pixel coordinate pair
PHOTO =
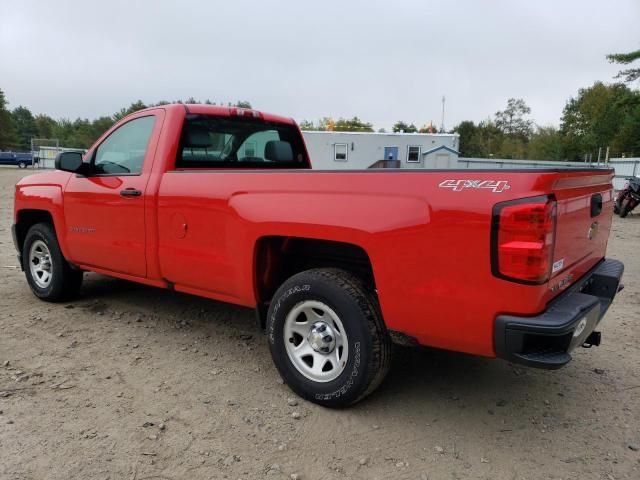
(71, 162)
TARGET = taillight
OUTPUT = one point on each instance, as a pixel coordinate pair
(522, 239)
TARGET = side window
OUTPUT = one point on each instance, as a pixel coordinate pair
(123, 151)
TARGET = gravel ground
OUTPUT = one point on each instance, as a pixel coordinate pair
(131, 382)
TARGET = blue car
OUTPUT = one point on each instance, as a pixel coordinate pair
(22, 160)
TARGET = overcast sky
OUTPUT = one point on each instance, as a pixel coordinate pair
(381, 61)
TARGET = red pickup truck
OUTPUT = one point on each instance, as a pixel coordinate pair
(222, 203)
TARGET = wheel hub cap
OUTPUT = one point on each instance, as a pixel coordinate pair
(316, 341)
(40, 264)
(321, 338)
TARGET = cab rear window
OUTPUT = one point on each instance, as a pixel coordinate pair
(239, 142)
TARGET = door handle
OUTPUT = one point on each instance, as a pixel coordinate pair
(130, 192)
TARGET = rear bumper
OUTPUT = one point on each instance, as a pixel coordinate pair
(546, 340)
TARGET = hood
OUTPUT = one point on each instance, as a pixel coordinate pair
(49, 177)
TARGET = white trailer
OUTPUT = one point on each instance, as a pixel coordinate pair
(360, 150)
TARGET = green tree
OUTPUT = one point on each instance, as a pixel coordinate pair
(593, 119)
(243, 104)
(401, 126)
(511, 121)
(8, 135)
(490, 139)
(545, 144)
(99, 126)
(341, 125)
(627, 141)
(470, 145)
(322, 125)
(25, 125)
(352, 125)
(629, 74)
(513, 148)
(74, 134)
(45, 125)
(134, 107)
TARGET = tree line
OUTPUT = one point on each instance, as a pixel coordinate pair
(599, 117)
(20, 125)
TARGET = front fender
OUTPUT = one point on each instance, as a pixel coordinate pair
(45, 198)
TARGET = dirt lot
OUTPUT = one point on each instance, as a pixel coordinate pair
(130, 382)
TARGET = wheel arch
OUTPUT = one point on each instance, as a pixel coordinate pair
(277, 258)
(27, 218)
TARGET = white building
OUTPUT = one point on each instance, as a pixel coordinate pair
(361, 150)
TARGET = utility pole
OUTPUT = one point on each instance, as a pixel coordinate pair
(442, 121)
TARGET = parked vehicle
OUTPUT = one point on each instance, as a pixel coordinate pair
(628, 198)
(22, 160)
(222, 203)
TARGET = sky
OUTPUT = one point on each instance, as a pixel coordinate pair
(382, 61)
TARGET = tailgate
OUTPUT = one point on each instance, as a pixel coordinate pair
(584, 212)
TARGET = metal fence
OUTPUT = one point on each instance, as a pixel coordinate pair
(624, 167)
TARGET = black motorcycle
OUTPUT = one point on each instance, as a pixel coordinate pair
(628, 198)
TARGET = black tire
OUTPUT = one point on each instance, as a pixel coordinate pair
(616, 207)
(624, 208)
(65, 281)
(22, 165)
(369, 344)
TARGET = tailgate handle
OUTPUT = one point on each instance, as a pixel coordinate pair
(596, 204)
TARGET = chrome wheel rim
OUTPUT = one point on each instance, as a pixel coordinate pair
(40, 264)
(316, 341)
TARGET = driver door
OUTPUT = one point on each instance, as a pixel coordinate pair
(105, 211)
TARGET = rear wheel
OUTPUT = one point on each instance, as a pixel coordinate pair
(48, 273)
(625, 208)
(327, 337)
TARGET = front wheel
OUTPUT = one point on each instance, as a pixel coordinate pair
(22, 165)
(327, 337)
(49, 275)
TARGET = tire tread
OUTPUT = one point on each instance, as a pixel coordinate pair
(365, 297)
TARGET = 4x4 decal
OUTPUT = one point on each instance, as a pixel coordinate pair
(496, 186)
